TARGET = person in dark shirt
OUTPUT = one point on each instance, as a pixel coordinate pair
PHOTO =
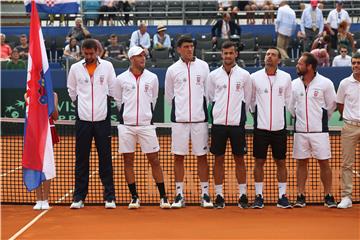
(23, 48)
(114, 50)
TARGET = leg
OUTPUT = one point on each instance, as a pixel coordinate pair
(46, 189)
(39, 195)
(259, 170)
(103, 145)
(240, 169)
(301, 174)
(326, 175)
(84, 134)
(219, 170)
(129, 167)
(179, 167)
(203, 168)
(281, 170)
(155, 167)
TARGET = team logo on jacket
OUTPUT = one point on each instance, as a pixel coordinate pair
(86, 81)
(146, 87)
(102, 77)
(280, 91)
(198, 80)
(316, 93)
(238, 86)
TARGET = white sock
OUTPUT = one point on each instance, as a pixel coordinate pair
(219, 190)
(282, 189)
(259, 188)
(204, 188)
(179, 188)
(242, 189)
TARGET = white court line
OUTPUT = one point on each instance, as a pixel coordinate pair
(11, 171)
(27, 226)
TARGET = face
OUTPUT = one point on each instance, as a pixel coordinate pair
(143, 29)
(113, 40)
(355, 65)
(78, 23)
(73, 42)
(2, 39)
(272, 58)
(338, 7)
(229, 55)
(343, 52)
(301, 67)
(227, 18)
(161, 33)
(15, 55)
(89, 55)
(186, 51)
(23, 40)
(138, 61)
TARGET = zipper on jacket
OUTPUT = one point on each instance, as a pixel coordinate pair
(306, 109)
(92, 97)
(188, 67)
(271, 86)
(137, 100)
(228, 99)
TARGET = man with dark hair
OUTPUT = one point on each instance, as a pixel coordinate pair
(229, 90)
(348, 103)
(90, 85)
(115, 50)
(343, 59)
(136, 94)
(224, 28)
(23, 48)
(185, 84)
(271, 93)
(312, 104)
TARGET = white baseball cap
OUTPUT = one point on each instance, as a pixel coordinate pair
(134, 51)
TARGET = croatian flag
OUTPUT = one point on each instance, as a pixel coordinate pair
(54, 6)
(38, 156)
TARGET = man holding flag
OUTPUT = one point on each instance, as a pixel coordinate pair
(38, 156)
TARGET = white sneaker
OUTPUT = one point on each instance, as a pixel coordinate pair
(77, 205)
(206, 202)
(179, 202)
(135, 203)
(345, 203)
(164, 203)
(110, 205)
(38, 205)
(45, 205)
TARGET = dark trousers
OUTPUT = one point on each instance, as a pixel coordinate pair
(85, 132)
(334, 39)
(310, 37)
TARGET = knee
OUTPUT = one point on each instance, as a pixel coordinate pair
(155, 162)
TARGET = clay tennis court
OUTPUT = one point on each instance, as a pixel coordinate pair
(150, 222)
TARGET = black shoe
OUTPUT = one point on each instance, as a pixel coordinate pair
(259, 202)
(243, 201)
(219, 202)
(330, 201)
(283, 202)
(300, 201)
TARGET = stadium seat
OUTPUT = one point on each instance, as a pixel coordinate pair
(90, 6)
(160, 54)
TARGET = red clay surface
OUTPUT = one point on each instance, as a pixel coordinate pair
(312, 222)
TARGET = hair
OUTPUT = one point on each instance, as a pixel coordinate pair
(326, 38)
(342, 46)
(184, 39)
(78, 19)
(90, 44)
(228, 44)
(275, 48)
(355, 55)
(23, 36)
(113, 36)
(310, 59)
(343, 25)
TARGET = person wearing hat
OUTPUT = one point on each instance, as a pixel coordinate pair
(312, 24)
(136, 92)
(335, 17)
(141, 38)
(161, 39)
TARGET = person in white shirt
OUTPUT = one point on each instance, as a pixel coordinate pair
(285, 25)
(348, 102)
(312, 104)
(136, 92)
(229, 91)
(335, 17)
(271, 93)
(90, 85)
(141, 38)
(185, 84)
(342, 60)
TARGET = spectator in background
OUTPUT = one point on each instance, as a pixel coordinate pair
(312, 24)
(15, 62)
(125, 6)
(114, 50)
(141, 38)
(285, 26)
(345, 38)
(72, 50)
(78, 31)
(224, 28)
(342, 60)
(227, 6)
(263, 5)
(335, 17)
(23, 48)
(161, 39)
(322, 57)
(5, 48)
(107, 6)
(322, 42)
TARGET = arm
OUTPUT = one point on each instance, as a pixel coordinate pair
(288, 93)
(277, 20)
(210, 89)
(167, 42)
(155, 41)
(352, 42)
(71, 84)
(155, 91)
(117, 93)
(302, 23)
(55, 114)
(330, 99)
(247, 92)
(111, 80)
(321, 28)
(169, 87)
(340, 98)
(133, 39)
(253, 95)
(147, 43)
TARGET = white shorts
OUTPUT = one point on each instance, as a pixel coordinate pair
(130, 135)
(315, 145)
(182, 132)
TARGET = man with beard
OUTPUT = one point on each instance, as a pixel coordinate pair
(312, 104)
(271, 94)
(90, 86)
(229, 90)
(135, 95)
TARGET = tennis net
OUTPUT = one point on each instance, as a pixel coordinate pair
(14, 192)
